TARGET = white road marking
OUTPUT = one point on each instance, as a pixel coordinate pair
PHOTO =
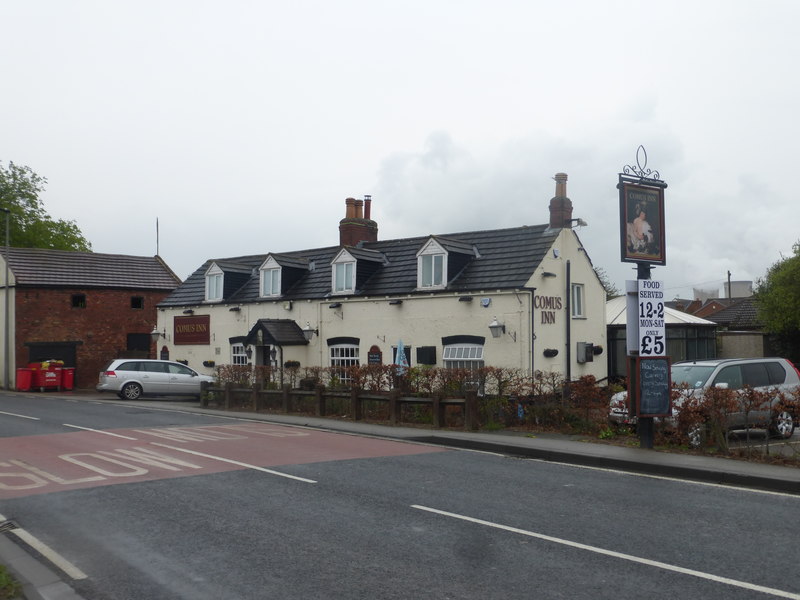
(644, 561)
(235, 462)
(20, 416)
(125, 437)
(46, 551)
(724, 486)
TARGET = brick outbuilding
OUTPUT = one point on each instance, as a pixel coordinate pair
(83, 308)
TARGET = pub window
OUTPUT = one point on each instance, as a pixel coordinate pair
(78, 300)
(463, 356)
(238, 354)
(577, 301)
(426, 355)
(137, 302)
(343, 356)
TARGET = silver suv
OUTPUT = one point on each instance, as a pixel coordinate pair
(133, 378)
(762, 374)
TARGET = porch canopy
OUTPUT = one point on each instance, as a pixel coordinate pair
(275, 332)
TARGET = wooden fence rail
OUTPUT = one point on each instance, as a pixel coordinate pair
(259, 398)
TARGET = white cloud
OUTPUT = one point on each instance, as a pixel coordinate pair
(243, 126)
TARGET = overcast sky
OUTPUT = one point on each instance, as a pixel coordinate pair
(243, 126)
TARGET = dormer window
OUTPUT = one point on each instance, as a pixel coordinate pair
(214, 284)
(431, 266)
(431, 270)
(344, 277)
(271, 282)
(352, 268)
(270, 278)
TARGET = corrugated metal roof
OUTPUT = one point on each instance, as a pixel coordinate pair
(615, 315)
(40, 267)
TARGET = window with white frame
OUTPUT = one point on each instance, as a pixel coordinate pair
(343, 356)
(431, 266)
(463, 356)
(214, 281)
(344, 277)
(577, 301)
(271, 282)
(432, 270)
(238, 354)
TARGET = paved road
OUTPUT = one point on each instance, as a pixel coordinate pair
(175, 504)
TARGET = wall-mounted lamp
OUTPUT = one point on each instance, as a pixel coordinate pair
(155, 334)
(335, 305)
(578, 222)
(188, 311)
(395, 302)
(308, 332)
(235, 308)
(550, 352)
(548, 274)
(465, 299)
(497, 328)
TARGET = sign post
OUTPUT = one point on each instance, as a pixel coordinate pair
(642, 227)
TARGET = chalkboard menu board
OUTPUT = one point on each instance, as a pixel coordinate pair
(654, 386)
(374, 356)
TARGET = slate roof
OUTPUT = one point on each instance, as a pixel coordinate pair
(40, 267)
(279, 332)
(506, 259)
(742, 314)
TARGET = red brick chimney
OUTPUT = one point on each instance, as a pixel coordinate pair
(357, 226)
(560, 205)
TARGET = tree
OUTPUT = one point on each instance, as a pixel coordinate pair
(30, 225)
(610, 288)
(778, 300)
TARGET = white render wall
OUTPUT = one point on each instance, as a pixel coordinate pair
(422, 320)
(7, 291)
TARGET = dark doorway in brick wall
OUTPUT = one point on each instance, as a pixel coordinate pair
(42, 351)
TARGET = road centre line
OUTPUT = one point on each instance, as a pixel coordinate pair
(234, 462)
(46, 551)
(125, 437)
(20, 416)
(613, 554)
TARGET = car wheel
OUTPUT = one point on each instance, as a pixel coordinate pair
(131, 391)
(782, 425)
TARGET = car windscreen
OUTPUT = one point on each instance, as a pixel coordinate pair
(693, 376)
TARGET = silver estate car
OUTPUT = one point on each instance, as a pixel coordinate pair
(733, 373)
(132, 378)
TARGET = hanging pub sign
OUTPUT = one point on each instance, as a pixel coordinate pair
(374, 356)
(642, 223)
(193, 330)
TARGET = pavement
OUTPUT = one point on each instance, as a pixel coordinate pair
(42, 583)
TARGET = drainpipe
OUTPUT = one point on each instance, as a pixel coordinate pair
(568, 294)
(532, 292)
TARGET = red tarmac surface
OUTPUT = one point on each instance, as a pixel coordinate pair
(68, 461)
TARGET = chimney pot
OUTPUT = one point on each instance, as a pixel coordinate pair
(367, 206)
(359, 212)
(350, 211)
(561, 185)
